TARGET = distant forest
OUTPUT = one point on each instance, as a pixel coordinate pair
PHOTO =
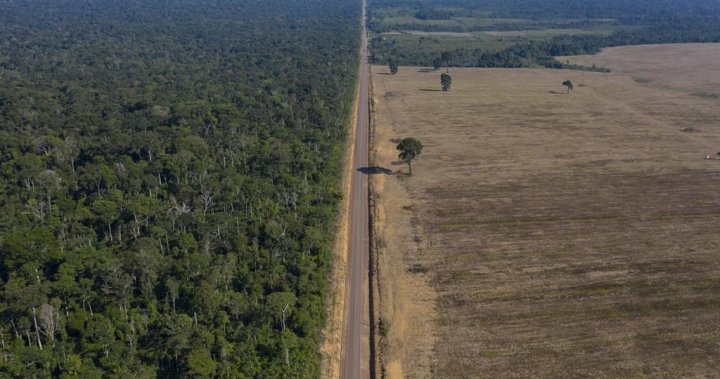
(168, 184)
(634, 22)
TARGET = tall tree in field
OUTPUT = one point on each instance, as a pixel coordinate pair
(569, 85)
(409, 149)
(393, 66)
(445, 81)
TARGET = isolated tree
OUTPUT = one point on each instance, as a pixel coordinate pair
(393, 66)
(445, 81)
(409, 149)
(569, 85)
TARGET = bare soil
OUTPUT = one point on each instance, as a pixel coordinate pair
(445, 34)
(508, 33)
(547, 234)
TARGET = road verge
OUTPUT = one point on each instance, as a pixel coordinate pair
(331, 345)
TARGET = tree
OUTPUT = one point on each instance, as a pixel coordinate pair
(436, 63)
(445, 81)
(446, 57)
(409, 149)
(393, 66)
(568, 84)
(47, 318)
(200, 363)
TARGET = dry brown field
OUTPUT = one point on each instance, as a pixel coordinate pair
(545, 234)
(688, 67)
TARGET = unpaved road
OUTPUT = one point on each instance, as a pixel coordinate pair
(355, 356)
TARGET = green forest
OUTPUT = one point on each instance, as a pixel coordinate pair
(169, 181)
(590, 25)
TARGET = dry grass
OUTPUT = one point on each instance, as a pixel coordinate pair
(688, 67)
(560, 235)
(407, 335)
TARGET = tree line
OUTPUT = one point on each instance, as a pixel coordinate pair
(636, 23)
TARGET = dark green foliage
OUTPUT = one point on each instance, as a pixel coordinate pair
(436, 64)
(632, 23)
(168, 184)
(433, 14)
(550, 13)
(445, 81)
(393, 67)
(446, 57)
(409, 149)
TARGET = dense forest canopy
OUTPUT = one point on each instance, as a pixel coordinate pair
(632, 22)
(168, 184)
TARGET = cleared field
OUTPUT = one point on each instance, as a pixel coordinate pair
(443, 34)
(462, 22)
(548, 33)
(547, 234)
(690, 67)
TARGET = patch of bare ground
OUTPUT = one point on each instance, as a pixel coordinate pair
(547, 234)
(444, 34)
(509, 33)
(688, 67)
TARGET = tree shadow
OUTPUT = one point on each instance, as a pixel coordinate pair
(557, 93)
(373, 170)
(426, 70)
(384, 73)
(430, 90)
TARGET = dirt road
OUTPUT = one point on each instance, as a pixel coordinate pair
(355, 357)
